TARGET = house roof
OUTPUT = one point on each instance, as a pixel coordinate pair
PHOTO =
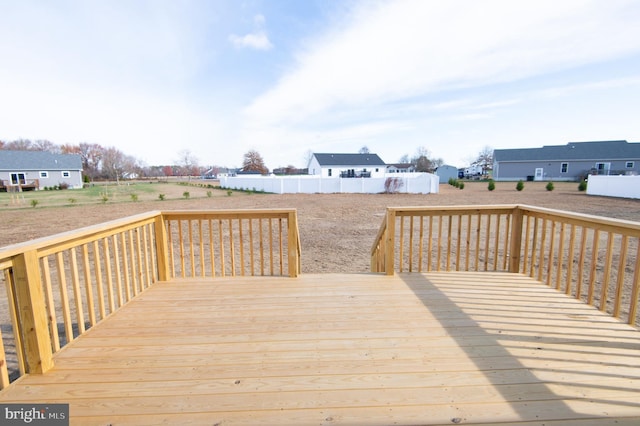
(38, 160)
(402, 165)
(599, 150)
(349, 160)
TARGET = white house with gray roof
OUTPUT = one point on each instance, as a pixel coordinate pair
(347, 165)
(571, 162)
(28, 170)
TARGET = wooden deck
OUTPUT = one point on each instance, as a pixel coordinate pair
(435, 348)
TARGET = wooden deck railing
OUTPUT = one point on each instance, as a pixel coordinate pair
(234, 242)
(59, 287)
(591, 258)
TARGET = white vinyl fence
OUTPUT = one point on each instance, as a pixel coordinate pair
(614, 186)
(408, 183)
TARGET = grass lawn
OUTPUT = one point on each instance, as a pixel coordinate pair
(108, 193)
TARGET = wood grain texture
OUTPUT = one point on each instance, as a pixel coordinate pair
(433, 348)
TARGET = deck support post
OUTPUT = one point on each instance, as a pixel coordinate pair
(515, 240)
(389, 255)
(32, 313)
(161, 248)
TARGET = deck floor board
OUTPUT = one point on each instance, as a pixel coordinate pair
(433, 348)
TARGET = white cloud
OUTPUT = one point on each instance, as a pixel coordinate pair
(257, 39)
(391, 51)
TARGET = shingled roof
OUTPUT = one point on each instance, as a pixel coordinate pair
(38, 160)
(349, 160)
(598, 150)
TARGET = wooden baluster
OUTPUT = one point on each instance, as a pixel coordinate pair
(551, 252)
(478, 238)
(583, 251)
(594, 265)
(64, 297)
(77, 295)
(118, 271)
(572, 246)
(606, 279)
(89, 284)
(51, 308)
(635, 288)
(622, 264)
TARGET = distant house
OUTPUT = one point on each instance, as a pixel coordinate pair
(289, 171)
(29, 170)
(218, 172)
(347, 165)
(474, 170)
(446, 172)
(401, 168)
(570, 162)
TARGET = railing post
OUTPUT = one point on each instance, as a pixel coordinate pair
(389, 256)
(161, 248)
(32, 313)
(516, 240)
(292, 249)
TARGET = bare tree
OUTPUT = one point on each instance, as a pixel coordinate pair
(485, 159)
(253, 162)
(364, 150)
(188, 163)
(422, 161)
(91, 155)
(19, 145)
(436, 162)
(114, 164)
(45, 145)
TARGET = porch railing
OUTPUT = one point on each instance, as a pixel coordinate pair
(591, 258)
(58, 287)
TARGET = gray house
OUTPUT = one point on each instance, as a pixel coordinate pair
(31, 170)
(347, 165)
(571, 162)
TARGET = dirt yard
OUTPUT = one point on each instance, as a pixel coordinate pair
(337, 230)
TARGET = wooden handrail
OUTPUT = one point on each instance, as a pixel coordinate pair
(583, 255)
(60, 286)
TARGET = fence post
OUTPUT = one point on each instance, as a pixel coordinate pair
(389, 256)
(516, 240)
(162, 253)
(292, 249)
(32, 313)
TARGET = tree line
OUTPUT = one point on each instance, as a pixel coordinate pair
(108, 163)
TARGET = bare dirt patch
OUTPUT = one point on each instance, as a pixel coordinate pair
(337, 230)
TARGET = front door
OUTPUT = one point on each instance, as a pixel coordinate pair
(539, 173)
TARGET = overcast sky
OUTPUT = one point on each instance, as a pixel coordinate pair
(285, 77)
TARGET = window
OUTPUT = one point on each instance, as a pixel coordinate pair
(603, 168)
(66, 174)
(564, 167)
(629, 164)
(329, 171)
(43, 175)
(18, 179)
